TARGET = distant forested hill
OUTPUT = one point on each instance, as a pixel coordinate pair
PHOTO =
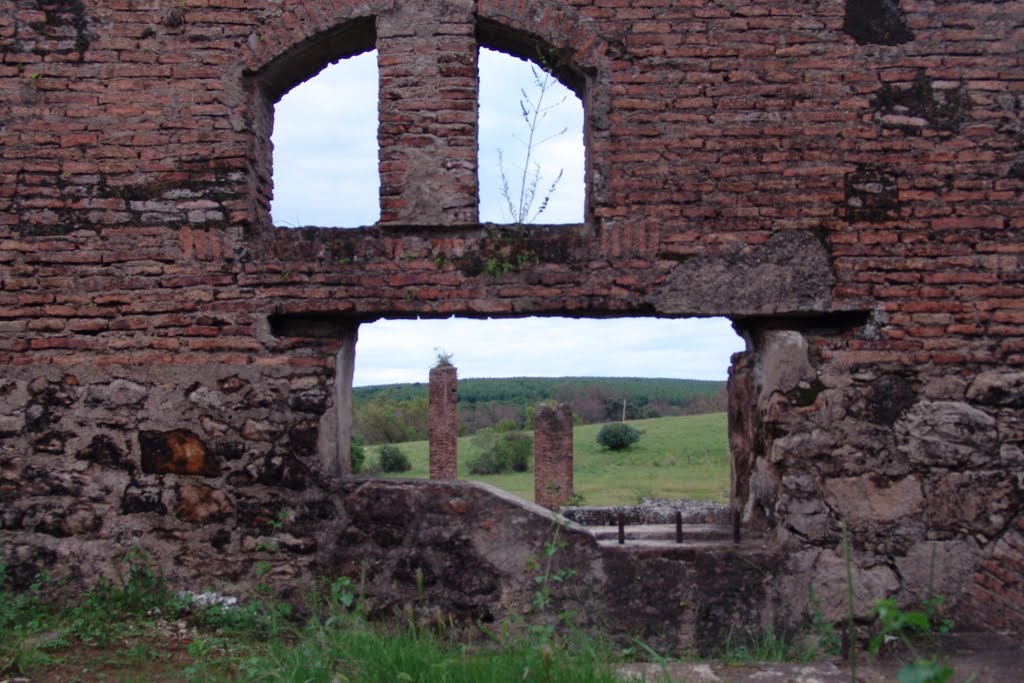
(399, 410)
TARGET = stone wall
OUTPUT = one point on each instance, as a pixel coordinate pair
(842, 179)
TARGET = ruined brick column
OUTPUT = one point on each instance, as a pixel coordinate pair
(443, 427)
(552, 456)
(427, 57)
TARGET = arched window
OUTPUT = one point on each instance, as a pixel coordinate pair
(531, 153)
(325, 148)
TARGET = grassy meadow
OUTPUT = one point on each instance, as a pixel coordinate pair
(676, 457)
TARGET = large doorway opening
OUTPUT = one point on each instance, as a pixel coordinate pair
(664, 377)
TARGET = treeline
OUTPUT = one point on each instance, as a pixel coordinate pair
(395, 413)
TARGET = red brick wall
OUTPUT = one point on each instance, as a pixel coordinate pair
(845, 186)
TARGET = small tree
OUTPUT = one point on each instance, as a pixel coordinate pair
(500, 452)
(618, 436)
(521, 200)
(358, 454)
(392, 459)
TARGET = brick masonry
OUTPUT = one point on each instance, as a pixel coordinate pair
(552, 456)
(443, 422)
(843, 179)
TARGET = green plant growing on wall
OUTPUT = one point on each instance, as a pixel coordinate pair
(547, 574)
(827, 641)
(901, 625)
(523, 201)
(443, 359)
(907, 626)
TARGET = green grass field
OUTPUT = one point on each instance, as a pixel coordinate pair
(677, 457)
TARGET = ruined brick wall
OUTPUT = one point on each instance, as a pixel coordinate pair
(841, 178)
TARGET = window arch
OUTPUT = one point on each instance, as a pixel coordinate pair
(531, 151)
(439, 185)
(325, 148)
(274, 75)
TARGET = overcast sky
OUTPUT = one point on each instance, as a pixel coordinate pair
(325, 174)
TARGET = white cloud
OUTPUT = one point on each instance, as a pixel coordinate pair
(503, 80)
(325, 148)
(404, 350)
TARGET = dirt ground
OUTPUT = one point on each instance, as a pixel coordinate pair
(974, 657)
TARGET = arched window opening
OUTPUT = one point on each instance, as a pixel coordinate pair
(679, 403)
(531, 150)
(325, 148)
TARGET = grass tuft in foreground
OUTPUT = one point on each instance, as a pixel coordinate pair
(136, 629)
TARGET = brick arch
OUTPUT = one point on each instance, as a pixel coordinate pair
(290, 47)
(544, 31)
(430, 100)
(568, 45)
(295, 42)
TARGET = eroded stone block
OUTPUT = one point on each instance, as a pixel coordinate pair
(947, 434)
(176, 452)
(1003, 389)
(872, 500)
(981, 502)
(203, 504)
(104, 451)
(140, 498)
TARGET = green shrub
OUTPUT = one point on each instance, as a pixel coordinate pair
(506, 425)
(500, 452)
(392, 459)
(618, 436)
(358, 455)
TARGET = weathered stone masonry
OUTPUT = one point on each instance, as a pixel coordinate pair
(842, 179)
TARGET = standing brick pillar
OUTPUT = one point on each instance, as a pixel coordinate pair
(552, 456)
(443, 427)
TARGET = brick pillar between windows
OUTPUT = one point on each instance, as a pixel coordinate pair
(443, 422)
(552, 456)
(427, 59)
